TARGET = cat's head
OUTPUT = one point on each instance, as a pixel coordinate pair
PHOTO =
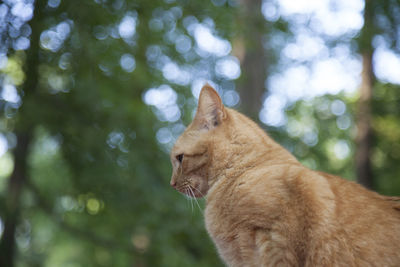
(192, 153)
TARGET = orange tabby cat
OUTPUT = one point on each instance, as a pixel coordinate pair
(265, 209)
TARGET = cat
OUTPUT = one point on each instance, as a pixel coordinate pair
(263, 208)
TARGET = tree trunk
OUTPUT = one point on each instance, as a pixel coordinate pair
(251, 53)
(364, 130)
(14, 190)
(364, 113)
(24, 127)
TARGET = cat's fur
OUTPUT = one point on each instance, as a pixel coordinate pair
(266, 209)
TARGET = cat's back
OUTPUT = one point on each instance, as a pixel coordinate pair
(325, 219)
(369, 221)
(362, 228)
(356, 203)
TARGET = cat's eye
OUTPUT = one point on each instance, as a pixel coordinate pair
(179, 158)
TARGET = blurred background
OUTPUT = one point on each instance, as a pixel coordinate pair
(94, 93)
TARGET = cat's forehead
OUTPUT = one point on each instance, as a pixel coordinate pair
(179, 143)
(187, 139)
(184, 138)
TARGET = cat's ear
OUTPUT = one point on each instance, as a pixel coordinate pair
(210, 110)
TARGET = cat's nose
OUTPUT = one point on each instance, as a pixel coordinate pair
(173, 183)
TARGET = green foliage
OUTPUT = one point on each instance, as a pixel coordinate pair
(98, 192)
(320, 133)
(386, 149)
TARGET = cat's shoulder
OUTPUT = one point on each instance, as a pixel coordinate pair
(282, 179)
(274, 184)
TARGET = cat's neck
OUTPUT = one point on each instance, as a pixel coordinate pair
(250, 147)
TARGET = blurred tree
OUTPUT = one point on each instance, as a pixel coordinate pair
(385, 154)
(332, 143)
(23, 137)
(249, 47)
(380, 20)
(89, 186)
(364, 130)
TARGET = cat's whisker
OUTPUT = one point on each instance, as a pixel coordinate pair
(189, 196)
(195, 199)
(190, 193)
(186, 196)
(201, 194)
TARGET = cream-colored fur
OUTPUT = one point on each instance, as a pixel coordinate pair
(265, 209)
